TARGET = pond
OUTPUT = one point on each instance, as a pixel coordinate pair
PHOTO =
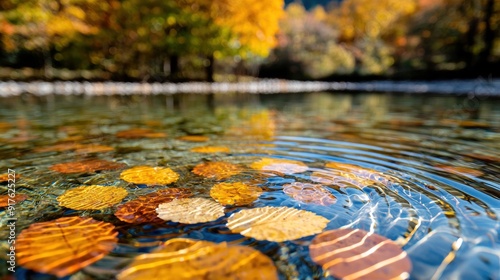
(278, 177)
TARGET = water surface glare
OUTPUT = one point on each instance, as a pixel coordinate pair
(420, 170)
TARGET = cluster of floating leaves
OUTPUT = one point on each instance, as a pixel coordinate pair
(92, 197)
(217, 170)
(143, 209)
(147, 175)
(64, 246)
(197, 259)
(86, 166)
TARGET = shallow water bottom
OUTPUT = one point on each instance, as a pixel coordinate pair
(422, 171)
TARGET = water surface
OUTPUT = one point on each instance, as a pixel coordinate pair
(420, 170)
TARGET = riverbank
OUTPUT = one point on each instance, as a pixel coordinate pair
(475, 87)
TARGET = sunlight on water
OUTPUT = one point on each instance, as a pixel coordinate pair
(421, 171)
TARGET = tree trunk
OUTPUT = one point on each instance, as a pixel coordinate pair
(174, 65)
(209, 69)
(488, 35)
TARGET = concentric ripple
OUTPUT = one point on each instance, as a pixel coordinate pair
(406, 168)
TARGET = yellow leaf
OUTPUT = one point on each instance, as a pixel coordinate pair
(146, 175)
(235, 193)
(276, 223)
(92, 197)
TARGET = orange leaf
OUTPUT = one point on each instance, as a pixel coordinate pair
(64, 246)
(143, 209)
(140, 133)
(86, 166)
(4, 199)
(210, 149)
(357, 254)
(460, 170)
(201, 260)
(5, 177)
(194, 138)
(219, 170)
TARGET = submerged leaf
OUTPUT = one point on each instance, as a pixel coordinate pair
(86, 166)
(284, 166)
(194, 138)
(276, 223)
(460, 170)
(218, 170)
(143, 209)
(8, 176)
(190, 210)
(140, 133)
(93, 149)
(6, 200)
(201, 260)
(210, 149)
(309, 193)
(235, 193)
(357, 254)
(92, 197)
(147, 175)
(64, 246)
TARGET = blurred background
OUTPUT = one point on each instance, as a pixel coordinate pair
(227, 40)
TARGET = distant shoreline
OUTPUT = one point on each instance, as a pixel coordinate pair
(40, 88)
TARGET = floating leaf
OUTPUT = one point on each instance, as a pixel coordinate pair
(147, 175)
(64, 246)
(218, 170)
(5, 126)
(357, 254)
(210, 149)
(5, 177)
(190, 210)
(143, 209)
(235, 193)
(5, 199)
(92, 197)
(309, 193)
(284, 166)
(59, 148)
(86, 166)
(197, 260)
(194, 138)
(93, 149)
(140, 133)
(276, 223)
(460, 170)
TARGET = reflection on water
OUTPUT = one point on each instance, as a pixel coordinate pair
(422, 171)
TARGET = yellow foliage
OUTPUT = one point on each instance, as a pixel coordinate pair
(196, 259)
(92, 197)
(238, 193)
(149, 175)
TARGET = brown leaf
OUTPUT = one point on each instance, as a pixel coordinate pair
(357, 254)
(190, 210)
(86, 166)
(64, 246)
(283, 166)
(5, 199)
(5, 177)
(92, 197)
(140, 133)
(461, 170)
(238, 193)
(309, 193)
(201, 260)
(276, 223)
(194, 138)
(218, 170)
(143, 209)
(147, 175)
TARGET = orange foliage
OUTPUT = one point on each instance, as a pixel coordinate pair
(217, 170)
(86, 166)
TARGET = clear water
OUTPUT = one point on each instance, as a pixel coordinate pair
(432, 164)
